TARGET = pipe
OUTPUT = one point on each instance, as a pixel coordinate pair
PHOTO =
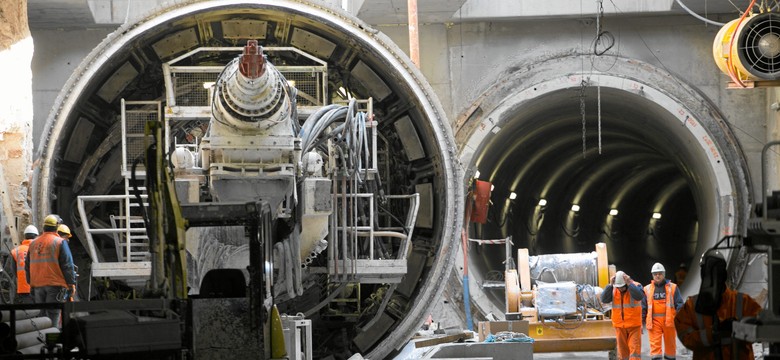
(33, 338)
(414, 35)
(34, 324)
(702, 18)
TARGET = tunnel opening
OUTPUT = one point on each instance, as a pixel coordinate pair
(609, 158)
(81, 151)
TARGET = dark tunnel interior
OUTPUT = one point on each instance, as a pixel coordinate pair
(630, 184)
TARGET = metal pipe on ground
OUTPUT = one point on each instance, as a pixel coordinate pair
(5, 330)
(8, 345)
(28, 325)
(32, 338)
(35, 349)
(5, 315)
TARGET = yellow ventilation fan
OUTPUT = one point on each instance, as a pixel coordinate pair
(749, 48)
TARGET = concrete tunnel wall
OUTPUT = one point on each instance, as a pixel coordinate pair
(484, 56)
(464, 61)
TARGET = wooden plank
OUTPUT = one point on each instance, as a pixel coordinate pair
(443, 339)
(524, 269)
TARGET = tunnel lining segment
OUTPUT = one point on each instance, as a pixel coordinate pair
(715, 144)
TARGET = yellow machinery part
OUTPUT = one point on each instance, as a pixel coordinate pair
(721, 53)
(278, 349)
(512, 291)
(602, 265)
(590, 335)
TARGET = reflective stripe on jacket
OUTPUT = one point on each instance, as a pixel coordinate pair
(666, 309)
(44, 261)
(696, 333)
(19, 253)
(626, 311)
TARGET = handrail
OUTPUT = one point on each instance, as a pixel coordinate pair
(763, 175)
(82, 199)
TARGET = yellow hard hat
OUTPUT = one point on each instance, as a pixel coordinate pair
(64, 231)
(52, 220)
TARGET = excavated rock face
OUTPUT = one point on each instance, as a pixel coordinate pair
(13, 23)
(16, 51)
(418, 153)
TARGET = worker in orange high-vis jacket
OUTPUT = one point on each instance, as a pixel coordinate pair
(49, 267)
(17, 266)
(660, 305)
(705, 323)
(626, 297)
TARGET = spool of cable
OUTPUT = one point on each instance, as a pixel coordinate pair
(578, 267)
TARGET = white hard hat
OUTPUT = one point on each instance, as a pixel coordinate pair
(657, 267)
(619, 281)
(31, 230)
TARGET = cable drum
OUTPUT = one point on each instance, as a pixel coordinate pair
(577, 267)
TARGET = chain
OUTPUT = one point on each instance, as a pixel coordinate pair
(583, 85)
(598, 92)
(41, 336)
(599, 14)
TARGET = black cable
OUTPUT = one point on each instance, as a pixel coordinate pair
(604, 38)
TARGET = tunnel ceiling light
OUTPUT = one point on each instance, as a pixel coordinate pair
(476, 174)
(208, 84)
(342, 92)
(492, 187)
(542, 202)
(512, 195)
(575, 208)
(656, 215)
(613, 212)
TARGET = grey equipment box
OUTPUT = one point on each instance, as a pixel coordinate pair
(120, 332)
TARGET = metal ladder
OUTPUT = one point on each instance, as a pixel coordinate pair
(127, 228)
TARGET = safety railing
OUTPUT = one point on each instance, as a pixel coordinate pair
(132, 259)
(349, 260)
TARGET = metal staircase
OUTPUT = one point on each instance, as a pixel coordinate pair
(131, 261)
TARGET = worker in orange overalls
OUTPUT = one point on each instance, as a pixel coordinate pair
(49, 267)
(626, 297)
(660, 305)
(17, 266)
(704, 324)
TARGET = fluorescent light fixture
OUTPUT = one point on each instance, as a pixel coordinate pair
(291, 83)
(575, 207)
(208, 84)
(512, 195)
(492, 187)
(613, 212)
(656, 215)
(476, 174)
(342, 92)
(542, 202)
